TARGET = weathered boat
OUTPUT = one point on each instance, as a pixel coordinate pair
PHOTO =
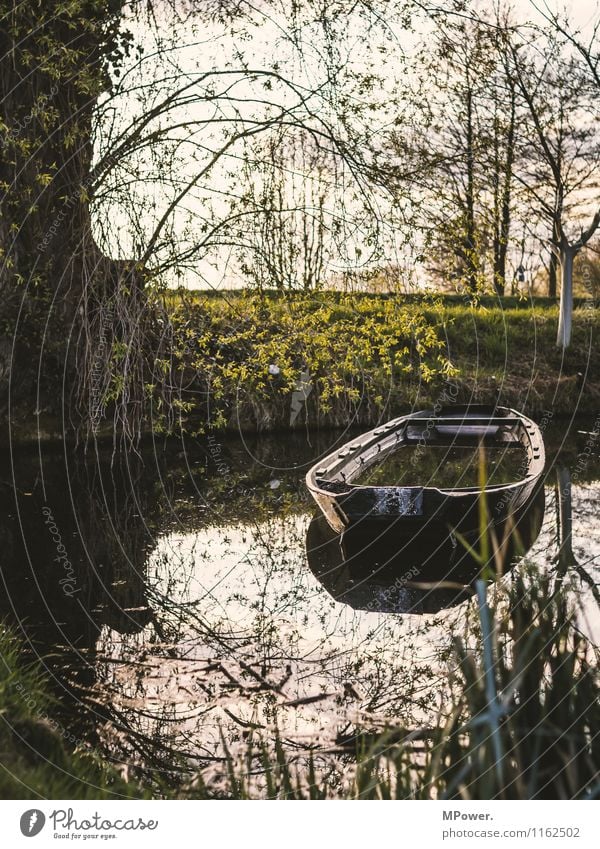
(335, 482)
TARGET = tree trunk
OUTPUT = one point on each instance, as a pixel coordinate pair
(469, 243)
(553, 274)
(567, 255)
(52, 71)
(54, 280)
(554, 266)
(503, 225)
(499, 281)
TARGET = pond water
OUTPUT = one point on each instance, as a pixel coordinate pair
(188, 595)
(446, 466)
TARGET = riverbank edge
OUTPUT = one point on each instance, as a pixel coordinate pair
(503, 354)
(48, 433)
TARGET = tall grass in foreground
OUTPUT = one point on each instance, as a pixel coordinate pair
(37, 759)
(523, 723)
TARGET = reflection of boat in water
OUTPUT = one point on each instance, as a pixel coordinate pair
(347, 488)
(395, 568)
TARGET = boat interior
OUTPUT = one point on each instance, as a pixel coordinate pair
(450, 442)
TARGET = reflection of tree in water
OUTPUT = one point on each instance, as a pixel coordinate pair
(258, 642)
(567, 562)
(73, 563)
(75, 541)
(197, 616)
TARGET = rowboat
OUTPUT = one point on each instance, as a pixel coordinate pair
(438, 490)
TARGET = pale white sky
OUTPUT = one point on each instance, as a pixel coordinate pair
(156, 175)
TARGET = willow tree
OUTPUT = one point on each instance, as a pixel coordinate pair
(53, 67)
(97, 198)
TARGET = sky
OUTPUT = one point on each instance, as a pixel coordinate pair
(154, 177)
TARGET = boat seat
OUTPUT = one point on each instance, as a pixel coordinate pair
(426, 434)
(468, 430)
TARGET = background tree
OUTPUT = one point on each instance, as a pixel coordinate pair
(115, 159)
(452, 145)
(286, 236)
(505, 130)
(563, 147)
(465, 156)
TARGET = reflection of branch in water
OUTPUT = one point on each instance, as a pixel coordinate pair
(566, 555)
(262, 669)
(585, 575)
(169, 671)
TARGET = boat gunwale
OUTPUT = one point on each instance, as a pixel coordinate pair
(535, 464)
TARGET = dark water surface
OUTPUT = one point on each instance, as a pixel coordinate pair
(446, 466)
(172, 599)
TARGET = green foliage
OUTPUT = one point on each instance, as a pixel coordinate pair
(54, 65)
(368, 356)
(546, 700)
(356, 351)
(39, 759)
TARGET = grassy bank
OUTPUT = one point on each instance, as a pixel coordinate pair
(519, 720)
(260, 363)
(38, 756)
(239, 361)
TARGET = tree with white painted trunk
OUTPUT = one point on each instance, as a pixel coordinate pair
(567, 251)
(562, 177)
(587, 50)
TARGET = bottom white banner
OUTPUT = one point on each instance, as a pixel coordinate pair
(293, 826)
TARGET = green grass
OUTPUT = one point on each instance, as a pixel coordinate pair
(37, 757)
(240, 358)
(369, 357)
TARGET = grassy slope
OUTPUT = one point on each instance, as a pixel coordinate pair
(370, 357)
(512, 352)
(36, 761)
(496, 349)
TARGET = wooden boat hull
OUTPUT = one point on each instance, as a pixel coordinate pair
(344, 503)
(396, 568)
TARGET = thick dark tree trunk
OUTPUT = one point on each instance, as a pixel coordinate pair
(53, 277)
(52, 70)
